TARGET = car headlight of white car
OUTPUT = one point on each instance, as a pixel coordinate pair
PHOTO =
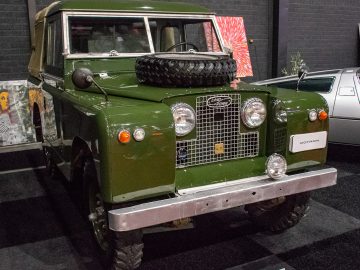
(253, 112)
(184, 118)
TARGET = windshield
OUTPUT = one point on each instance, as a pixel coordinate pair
(179, 35)
(102, 35)
(99, 35)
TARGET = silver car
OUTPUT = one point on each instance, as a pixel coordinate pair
(341, 89)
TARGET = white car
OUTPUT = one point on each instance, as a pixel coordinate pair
(341, 89)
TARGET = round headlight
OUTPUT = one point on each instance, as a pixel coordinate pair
(253, 112)
(184, 118)
(276, 166)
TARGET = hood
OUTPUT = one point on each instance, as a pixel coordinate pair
(131, 88)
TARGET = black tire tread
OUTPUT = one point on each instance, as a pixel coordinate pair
(185, 72)
(281, 217)
(128, 250)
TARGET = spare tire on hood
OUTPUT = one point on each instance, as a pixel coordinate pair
(185, 69)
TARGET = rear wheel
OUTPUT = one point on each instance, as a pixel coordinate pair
(118, 251)
(279, 214)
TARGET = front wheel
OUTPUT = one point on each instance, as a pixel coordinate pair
(279, 214)
(118, 250)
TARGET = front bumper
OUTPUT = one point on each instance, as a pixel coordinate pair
(194, 202)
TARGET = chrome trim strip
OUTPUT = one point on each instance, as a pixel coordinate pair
(221, 185)
(20, 147)
(103, 55)
(121, 55)
(145, 16)
(218, 32)
(65, 26)
(120, 13)
(148, 32)
(248, 191)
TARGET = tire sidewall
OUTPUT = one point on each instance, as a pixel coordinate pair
(280, 217)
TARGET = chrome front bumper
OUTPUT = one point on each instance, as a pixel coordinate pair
(197, 201)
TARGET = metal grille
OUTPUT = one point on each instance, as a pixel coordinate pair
(280, 135)
(218, 135)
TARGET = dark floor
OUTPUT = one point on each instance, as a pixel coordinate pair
(41, 229)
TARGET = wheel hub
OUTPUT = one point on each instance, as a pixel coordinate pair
(97, 217)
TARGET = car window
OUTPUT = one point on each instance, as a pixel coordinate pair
(309, 84)
(179, 35)
(54, 60)
(288, 84)
(101, 35)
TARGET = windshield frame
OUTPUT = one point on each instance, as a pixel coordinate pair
(145, 16)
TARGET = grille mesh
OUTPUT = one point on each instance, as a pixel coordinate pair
(218, 135)
(280, 135)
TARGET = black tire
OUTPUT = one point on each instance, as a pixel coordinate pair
(185, 69)
(118, 251)
(128, 250)
(279, 214)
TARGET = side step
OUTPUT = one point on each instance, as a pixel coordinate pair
(20, 147)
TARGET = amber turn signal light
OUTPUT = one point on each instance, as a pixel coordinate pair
(323, 115)
(124, 136)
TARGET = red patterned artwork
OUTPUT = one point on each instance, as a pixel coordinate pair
(233, 33)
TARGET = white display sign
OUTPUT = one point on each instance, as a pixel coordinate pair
(308, 141)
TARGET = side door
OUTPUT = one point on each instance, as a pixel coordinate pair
(52, 90)
(67, 118)
(345, 122)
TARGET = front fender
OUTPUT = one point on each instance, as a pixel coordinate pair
(137, 170)
(297, 105)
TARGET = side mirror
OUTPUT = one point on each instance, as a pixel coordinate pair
(82, 78)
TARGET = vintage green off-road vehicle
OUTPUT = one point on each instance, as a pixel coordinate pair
(136, 103)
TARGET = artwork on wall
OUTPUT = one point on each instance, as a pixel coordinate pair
(15, 119)
(45, 104)
(17, 99)
(233, 32)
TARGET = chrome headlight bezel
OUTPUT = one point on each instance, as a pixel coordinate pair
(280, 116)
(276, 166)
(253, 107)
(280, 113)
(184, 118)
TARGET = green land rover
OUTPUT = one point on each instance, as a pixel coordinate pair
(136, 104)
